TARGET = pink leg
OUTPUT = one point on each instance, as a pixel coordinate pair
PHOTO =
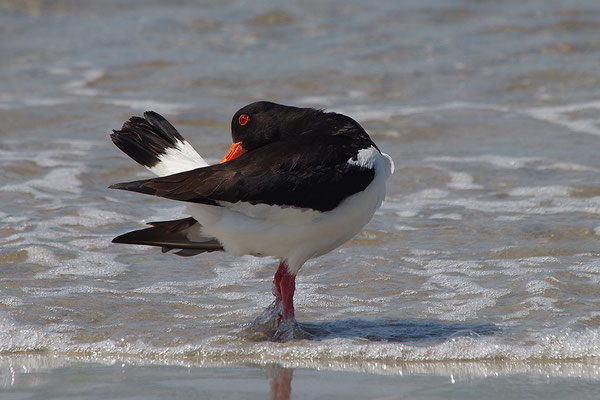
(287, 286)
(277, 280)
(284, 285)
(282, 309)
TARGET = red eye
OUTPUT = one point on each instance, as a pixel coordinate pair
(243, 119)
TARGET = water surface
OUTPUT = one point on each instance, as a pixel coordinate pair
(484, 254)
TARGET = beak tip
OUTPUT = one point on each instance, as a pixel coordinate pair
(235, 150)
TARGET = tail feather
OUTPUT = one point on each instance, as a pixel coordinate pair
(172, 235)
(154, 143)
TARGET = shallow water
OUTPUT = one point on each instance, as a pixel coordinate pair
(485, 250)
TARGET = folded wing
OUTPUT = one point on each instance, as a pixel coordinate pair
(293, 177)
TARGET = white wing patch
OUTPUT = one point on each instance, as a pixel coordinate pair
(371, 157)
(365, 158)
(177, 159)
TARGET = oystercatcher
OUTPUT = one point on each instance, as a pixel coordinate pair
(295, 184)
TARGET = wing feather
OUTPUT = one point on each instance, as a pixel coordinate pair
(292, 172)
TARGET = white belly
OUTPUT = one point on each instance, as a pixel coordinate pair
(290, 233)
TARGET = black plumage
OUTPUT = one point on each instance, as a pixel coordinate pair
(172, 235)
(146, 139)
(296, 157)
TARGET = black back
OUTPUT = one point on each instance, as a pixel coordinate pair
(296, 157)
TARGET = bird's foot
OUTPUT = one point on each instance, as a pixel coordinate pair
(272, 324)
(289, 329)
(267, 321)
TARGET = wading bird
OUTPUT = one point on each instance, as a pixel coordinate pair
(295, 184)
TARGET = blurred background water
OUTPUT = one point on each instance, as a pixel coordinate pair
(482, 260)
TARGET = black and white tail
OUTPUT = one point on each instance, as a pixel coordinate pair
(154, 143)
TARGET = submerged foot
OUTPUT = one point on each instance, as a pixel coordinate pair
(271, 324)
(289, 329)
(267, 321)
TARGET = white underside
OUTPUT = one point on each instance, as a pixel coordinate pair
(287, 233)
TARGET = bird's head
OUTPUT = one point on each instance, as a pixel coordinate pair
(264, 122)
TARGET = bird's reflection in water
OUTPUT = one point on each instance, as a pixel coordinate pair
(281, 382)
(376, 331)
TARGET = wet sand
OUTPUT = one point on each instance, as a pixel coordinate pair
(51, 378)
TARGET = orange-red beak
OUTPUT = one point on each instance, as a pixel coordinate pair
(235, 151)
